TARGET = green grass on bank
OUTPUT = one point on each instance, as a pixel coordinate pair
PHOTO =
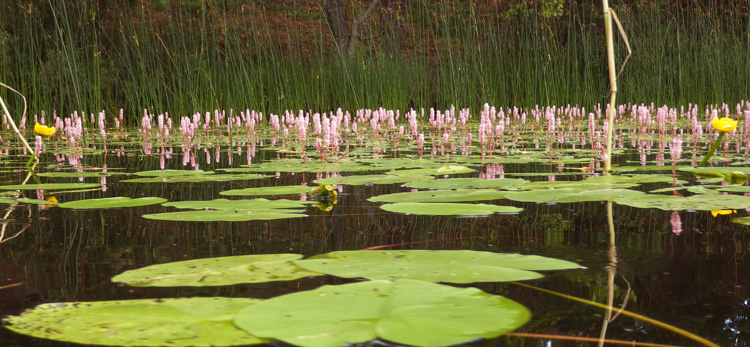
(193, 56)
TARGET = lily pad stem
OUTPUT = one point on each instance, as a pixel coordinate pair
(712, 150)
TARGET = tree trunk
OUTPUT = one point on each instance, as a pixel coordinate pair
(337, 22)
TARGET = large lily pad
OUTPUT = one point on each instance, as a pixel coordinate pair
(172, 173)
(113, 202)
(702, 202)
(276, 190)
(223, 210)
(219, 271)
(567, 195)
(293, 165)
(443, 170)
(463, 183)
(408, 312)
(195, 178)
(441, 196)
(242, 204)
(449, 209)
(144, 322)
(461, 266)
(49, 186)
(372, 179)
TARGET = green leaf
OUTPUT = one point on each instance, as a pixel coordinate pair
(145, 322)
(195, 178)
(448, 209)
(277, 190)
(408, 312)
(49, 186)
(242, 204)
(741, 220)
(568, 195)
(225, 216)
(463, 183)
(113, 202)
(700, 202)
(443, 170)
(172, 173)
(74, 174)
(461, 266)
(33, 201)
(441, 196)
(371, 179)
(220, 271)
(295, 165)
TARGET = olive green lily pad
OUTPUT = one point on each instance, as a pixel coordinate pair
(546, 185)
(407, 312)
(741, 220)
(276, 190)
(114, 202)
(219, 271)
(74, 174)
(172, 173)
(568, 195)
(701, 202)
(735, 189)
(462, 266)
(242, 204)
(294, 165)
(441, 196)
(371, 179)
(225, 216)
(144, 322)
(448, 209)
(196, 178)
(463, 183)
(443, 170)
(35, 201)
(49, 186)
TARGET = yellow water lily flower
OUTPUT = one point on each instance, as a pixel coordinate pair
(722, 212)
(44, 130)
(725, 125)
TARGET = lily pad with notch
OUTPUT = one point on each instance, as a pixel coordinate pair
(441, 196)
(360, 180)
(701, 202)
(274, 190)
(464, 183)
(449, 209)
(113, 202)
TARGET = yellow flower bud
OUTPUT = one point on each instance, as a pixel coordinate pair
(725, 125)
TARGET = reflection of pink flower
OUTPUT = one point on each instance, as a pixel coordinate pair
(676, 150)
(676, 222)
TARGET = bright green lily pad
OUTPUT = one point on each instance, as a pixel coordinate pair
(735, 189)
(114, 202)
(443, 170)
(74, 174)
(196, 178)
(295, 165)
(172, 173)
(441, 196)
(463, 183)
(49, 186)
(546, 185)
(372, 179)
(408, 312)
(448, 209)
(144, 322)
(741, 220)
(700, 202)
(242, 204)
(461, 266)
(568, 195)
(221, 271)
(276, 190)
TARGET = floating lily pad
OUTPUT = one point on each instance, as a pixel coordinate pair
(568, 195)
(34, 201)
(399, 163)
(74, 174)
(225, 216)
(735, 189)
(196, 178)
(276, 190)
(443, 170)
(172, 173)
(220, 271)
(441, 196)
(242, 204)
(448, 209)
(461, 266)
(741, 220)
(408, 312)
(114, 202)
(145, 322)
(700, 202)
(293, 165)
(546, 185)
(49, 186)
(463, 183)
(372, 179)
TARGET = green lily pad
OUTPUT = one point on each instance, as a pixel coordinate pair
(172, 173)
(74, 174)
(546, 185)
(225, 216)
(242, 204)
(144, 322)
(463, 183)
(568, 195)
(400, 163)
(441, 196)
(701, 202)
(49, 186)
(443, 170)
(741, 220)
(295, 165)
(408, 312)
(735, 189)
(448, 209)
(220, 271)
(371, 179)
(35, 201)
(277, 190)
(114, 202)
(196, 178)
(461, 266)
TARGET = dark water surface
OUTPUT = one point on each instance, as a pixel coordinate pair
(698, 281)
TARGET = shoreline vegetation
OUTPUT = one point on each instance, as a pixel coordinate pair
(183, 57)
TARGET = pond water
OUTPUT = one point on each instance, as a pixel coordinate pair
(695, 277)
